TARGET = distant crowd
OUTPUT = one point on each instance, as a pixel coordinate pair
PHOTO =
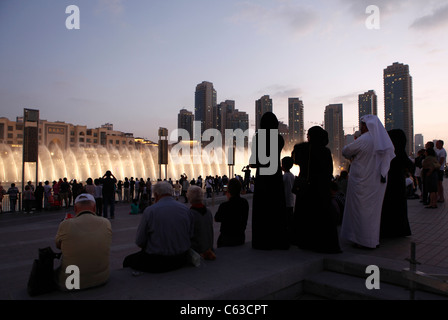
(136, 191)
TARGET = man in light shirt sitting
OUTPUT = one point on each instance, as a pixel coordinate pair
(85, 243)
(164, 234)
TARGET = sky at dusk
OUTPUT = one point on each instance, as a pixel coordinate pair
(136, 63)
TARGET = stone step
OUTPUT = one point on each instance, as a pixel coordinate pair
(391, 271)
(338, 286)
(344, 277)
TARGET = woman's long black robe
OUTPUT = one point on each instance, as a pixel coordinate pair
(315, 225)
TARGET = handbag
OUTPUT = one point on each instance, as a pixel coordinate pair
(301, 185)
(41, 278)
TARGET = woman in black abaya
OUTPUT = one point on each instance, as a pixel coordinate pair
(315, 225)
(394, 215)
(269, 206)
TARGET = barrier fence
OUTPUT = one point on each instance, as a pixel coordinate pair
(54, 203)
(6, 203)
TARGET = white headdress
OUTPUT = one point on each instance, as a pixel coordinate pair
(383, 146)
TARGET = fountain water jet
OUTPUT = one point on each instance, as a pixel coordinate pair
(82, 163)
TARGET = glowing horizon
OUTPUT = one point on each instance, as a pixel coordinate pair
(136, 63)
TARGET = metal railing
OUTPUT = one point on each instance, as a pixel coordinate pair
(6, 203)
(437, 282)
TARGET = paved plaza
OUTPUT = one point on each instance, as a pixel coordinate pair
(237, 273)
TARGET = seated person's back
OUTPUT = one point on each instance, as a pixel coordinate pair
(85, 242)
(233, 215)
(202, 240)
(165, 228)
(163, 234)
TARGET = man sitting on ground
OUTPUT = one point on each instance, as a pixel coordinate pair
(163, 234)
(85, 243)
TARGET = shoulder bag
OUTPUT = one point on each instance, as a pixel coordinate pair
(41, 278)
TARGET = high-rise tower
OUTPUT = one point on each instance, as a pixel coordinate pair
(334, 127)
(367, 104)
(185, 120)
(295, 121)
(398, 103)
(262, 105)
(205, 109)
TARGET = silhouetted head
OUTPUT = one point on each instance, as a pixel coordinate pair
(269, 121)
(287, 163)
(398, 138)
(318, 136)
(234, 187)
(430, 152)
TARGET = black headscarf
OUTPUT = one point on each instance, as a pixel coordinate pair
(318, 136)
(398, 138)
(269, 121)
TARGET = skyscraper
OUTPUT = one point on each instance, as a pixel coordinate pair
(334, 126)
(226, 108)
(367, 104)
(205, 108)
(232, 119)
(238, 120)
(185, 120)
(398, 103)
(283, 130)
(262, 105)
(295, 120)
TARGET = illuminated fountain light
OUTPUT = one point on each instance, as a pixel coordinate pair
(10, 163)
(83, 163)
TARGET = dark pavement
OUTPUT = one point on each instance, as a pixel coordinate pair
(237, 274)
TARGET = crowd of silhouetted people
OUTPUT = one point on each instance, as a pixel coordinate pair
(314, 210)
(137, 192)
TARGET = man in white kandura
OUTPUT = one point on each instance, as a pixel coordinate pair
(370, 157)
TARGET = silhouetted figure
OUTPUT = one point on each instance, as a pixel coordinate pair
(268, 209)
(315, 227)
(394, 215)
(232, 215)
(290, 197)
(109, 182)
(39, 195)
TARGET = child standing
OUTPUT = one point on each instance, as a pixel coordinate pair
(98, 197)
(288, 182)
